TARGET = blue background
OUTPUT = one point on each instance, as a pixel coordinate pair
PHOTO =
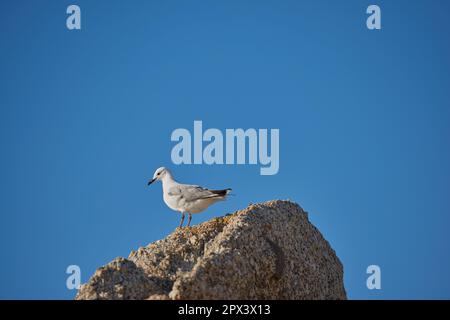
(86, 118)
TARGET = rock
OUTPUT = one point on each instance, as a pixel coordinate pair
(266, 251)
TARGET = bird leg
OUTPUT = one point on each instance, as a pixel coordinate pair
(189, 219)
(182, 220)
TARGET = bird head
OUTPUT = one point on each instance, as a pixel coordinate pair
(159, 174)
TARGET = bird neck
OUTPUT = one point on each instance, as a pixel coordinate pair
(167, 180)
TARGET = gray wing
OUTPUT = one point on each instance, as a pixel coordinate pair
(192, 193)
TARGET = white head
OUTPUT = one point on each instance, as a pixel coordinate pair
(159, 174)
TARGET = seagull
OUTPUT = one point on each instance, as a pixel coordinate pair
(186, 198)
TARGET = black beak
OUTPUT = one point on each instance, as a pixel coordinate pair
(151, 181)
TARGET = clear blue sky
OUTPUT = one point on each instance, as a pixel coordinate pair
(86, 118)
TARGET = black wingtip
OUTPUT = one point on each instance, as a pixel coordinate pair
(221, 193)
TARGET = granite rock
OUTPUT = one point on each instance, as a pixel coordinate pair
(266, 251)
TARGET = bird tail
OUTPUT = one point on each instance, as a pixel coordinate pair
(221, 193)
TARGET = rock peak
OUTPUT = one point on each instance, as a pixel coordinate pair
(268, 250)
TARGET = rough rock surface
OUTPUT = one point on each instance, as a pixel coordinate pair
(266, 251)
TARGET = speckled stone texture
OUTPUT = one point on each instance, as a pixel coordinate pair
(266, 251)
